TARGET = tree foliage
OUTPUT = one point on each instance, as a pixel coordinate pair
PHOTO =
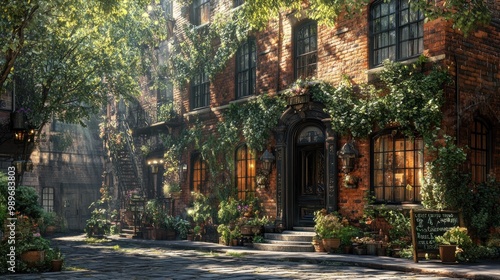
(75, 52)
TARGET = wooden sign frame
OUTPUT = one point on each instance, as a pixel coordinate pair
(427, 224)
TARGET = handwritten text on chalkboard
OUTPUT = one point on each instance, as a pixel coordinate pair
(428, 225)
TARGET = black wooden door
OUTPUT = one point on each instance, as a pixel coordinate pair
(309, 183)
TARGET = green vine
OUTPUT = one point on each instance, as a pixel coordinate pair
(208, 48)
(406, 96)
(253, 120)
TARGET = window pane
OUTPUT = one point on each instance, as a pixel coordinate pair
(398, 166)
(397, 31)
(305, 50)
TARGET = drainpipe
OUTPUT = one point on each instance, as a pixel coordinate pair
(457, 98)
(280, 27)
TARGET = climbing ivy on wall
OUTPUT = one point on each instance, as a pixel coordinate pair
(406, 96)
(207, 48)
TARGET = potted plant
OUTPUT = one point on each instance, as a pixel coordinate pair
(224, 234)
(235, 236)
(33, 249)
(172, 189)
(56, 259)
(318, 244)
(182, 227)
(346, 234)
(328, 227)
(228, 212)
(48, 222)
(454, 241)
(168, 224)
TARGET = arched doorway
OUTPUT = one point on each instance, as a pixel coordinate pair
(306, 165)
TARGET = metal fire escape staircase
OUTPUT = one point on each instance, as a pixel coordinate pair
(128, 170)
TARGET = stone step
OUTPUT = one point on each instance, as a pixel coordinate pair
(308, 229)
(283, 247)
(296, 240)
(272, 241)
(288, 237)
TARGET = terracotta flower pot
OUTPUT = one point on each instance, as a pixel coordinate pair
(31, 258)
(331, 243)
(56, 265)
(447, 253)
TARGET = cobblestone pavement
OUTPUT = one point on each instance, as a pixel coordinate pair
(119, 260)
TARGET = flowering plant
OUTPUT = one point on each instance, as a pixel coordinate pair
(328, 225)
(300, 87)
(363, 240)
(35, 243)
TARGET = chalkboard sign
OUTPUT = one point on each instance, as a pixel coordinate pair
(427, 224)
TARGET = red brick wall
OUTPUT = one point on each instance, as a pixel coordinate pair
(344, 49)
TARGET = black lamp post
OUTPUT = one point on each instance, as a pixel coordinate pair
(155, 166)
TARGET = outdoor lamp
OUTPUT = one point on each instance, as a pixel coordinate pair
(19, 136)
(267, 159)
(154, 165)
(348, 155)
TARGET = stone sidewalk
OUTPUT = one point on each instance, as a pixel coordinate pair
(480, 270)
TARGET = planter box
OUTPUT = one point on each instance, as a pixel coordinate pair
(298, 99)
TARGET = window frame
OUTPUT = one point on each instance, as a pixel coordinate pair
(48, 207)
(250, 60)
(199, 171)
(198, 9)
(297, 55)
(398, 28)
(200, 91)
(247, 163)
(484, 149)
(414, 169)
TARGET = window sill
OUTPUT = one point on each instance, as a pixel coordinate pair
(198, 111)
(373, 73)
(402, 206)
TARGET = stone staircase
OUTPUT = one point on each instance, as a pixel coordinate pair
(297, 240)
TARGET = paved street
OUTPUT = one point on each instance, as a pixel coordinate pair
(129, 260)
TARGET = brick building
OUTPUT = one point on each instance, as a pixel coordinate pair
(306, 172)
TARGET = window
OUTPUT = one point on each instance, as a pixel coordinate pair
(48, 199)
(199, 175)
(397, 166)
(479, 154)
(237, 3)
(167, 8)
(200, 91)
(397, 31)
(246, 58)
(201, 12)
(245, 172)
(306, 49)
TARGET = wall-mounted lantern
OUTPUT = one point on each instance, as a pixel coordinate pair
(348, 155)
(267, 159)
